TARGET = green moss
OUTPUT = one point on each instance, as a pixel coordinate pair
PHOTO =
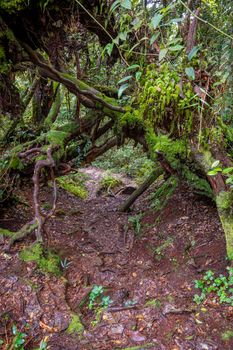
(47, 261)
(98, 316)
(56, 137)
(227, 335)
(75, 326)
(12, 5)
(224, 201)
(74, 184)
(6, 232)
(153, 303)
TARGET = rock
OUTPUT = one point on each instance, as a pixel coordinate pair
(136, 336)
(118, 329)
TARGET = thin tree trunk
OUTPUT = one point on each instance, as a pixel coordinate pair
(138, 192)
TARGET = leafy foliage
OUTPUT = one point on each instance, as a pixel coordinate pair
(97, 298)
(220, 287)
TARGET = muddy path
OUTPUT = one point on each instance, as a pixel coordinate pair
(149, 276)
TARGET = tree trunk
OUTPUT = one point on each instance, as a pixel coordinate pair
(138, 192)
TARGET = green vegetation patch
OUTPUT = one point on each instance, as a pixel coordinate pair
(75, 326)
(220, 287)
(161, 196)
(109, 182)
(5, 232)
(153, 303)
(129, 160)
(227, 335)
(74, 183)
(46, 260)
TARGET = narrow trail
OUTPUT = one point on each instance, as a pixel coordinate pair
(148, 277)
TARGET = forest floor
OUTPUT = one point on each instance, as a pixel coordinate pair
(149, 276)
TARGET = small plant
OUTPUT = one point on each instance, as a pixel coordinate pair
(136, 223)
(159, 251)
(227, 335)
(19, 340)
(46, 260)
(65, 264)
(154, 303)
(109, 182)
(96, 297)
(75, 325)
(220, 286)
(228, 172)
(130, 303)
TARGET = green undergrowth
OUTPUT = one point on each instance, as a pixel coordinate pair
(227, 335)
(109, 182)
(218, 287)
(161, 196)
(155, 303)
(6, 233)
(75, 184)
(129, 160)
(46, 260)
(75, 326)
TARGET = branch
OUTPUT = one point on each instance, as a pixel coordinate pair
(71, 85)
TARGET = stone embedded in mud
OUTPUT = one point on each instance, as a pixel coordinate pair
(117, 329)
(135, 336)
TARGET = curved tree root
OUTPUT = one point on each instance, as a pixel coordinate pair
(39, 217)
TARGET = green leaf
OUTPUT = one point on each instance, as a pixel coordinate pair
(176, 20)
(215, 163)
(190, 72)
(14, 329)
(138, 75)
(176, 48)
(122, 89)
(193, 52)
(114, 6)
(162, 54)
(136, 23)
(156, 20)
(109, 48)
(154, 37)
(227, 170)
(229, 180)
(133, 66)
(123, 36)
(125, 79)
(126, 4)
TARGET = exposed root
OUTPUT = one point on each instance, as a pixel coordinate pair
(39, 217)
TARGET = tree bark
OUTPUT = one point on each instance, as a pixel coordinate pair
(138, 192)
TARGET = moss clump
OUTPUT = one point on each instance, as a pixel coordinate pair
(75, 326)
(46, 261)
(74, 184)
(224, 201)
(109, 183)
(227, 335)
(153, 303)
(5, 232)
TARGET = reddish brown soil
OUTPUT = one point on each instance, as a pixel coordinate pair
(93, 236)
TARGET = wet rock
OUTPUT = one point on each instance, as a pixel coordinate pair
(135, 336)
(61, 320)
(117, 329)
